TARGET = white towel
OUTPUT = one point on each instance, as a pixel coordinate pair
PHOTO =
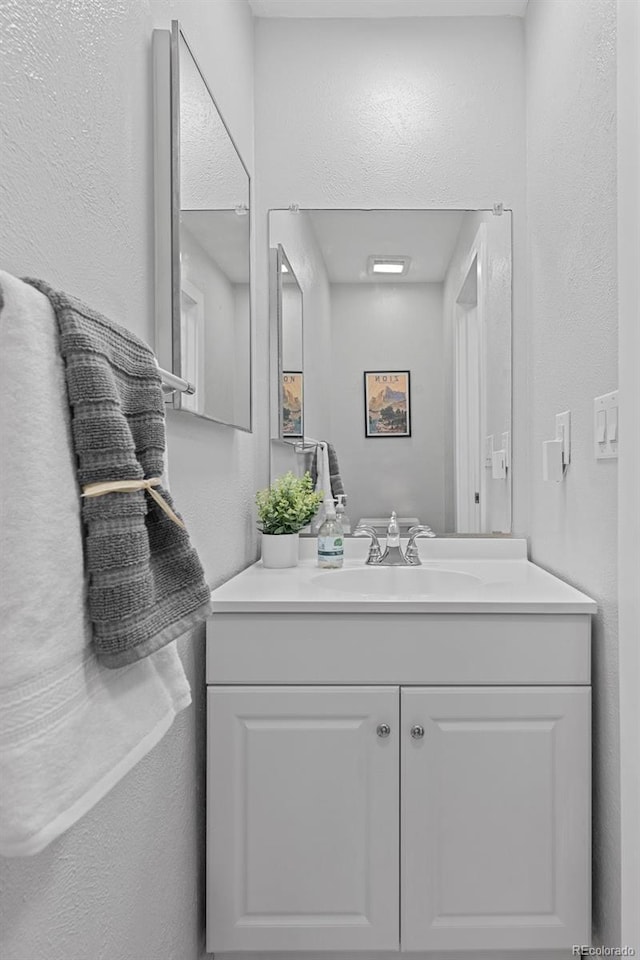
(323, 482)
(70, 729)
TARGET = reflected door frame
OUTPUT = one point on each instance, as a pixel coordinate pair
(470, 380)
(192, 344)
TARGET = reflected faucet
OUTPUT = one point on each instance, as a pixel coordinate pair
(393, 555)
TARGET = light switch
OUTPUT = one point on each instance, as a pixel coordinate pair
(605, 426)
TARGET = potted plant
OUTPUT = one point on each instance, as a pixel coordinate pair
(284, 509)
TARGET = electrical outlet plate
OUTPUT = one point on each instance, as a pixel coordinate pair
(605, 426)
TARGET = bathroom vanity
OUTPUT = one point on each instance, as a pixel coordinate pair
(399, 759)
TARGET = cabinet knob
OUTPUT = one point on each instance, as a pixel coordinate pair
(383, 730)
(417, 731)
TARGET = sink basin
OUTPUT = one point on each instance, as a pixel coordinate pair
(457, 575)
(397, 581)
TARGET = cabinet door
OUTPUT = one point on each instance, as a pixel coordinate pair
(303, 818)
(495, 818)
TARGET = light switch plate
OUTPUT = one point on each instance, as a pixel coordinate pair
(488, 451)
(552, 466)
(563, 432)
(498, 465)
(605, 426)
(506, 446)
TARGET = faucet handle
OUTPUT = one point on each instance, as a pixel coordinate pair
(375, 553)
(411, 553)
(420, 530)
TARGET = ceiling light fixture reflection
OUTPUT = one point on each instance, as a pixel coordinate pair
(388, 266)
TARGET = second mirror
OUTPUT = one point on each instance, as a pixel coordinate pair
(291, 354)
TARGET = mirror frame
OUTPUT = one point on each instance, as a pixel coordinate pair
(166, 93)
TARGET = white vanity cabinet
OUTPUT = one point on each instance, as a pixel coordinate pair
(495, 818)
(304, 820)
(382, 783)
(414, 818)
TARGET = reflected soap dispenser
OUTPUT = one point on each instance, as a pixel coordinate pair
(330, 541)
(344, 520)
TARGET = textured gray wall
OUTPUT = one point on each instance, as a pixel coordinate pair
(389, 326)
(571, 194)
(76, 193)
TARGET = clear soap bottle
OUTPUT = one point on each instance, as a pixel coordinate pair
(330, 540)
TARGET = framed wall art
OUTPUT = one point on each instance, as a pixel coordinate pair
(292, 404)
(387, 403)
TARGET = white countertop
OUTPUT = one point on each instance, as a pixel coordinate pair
(496, 577)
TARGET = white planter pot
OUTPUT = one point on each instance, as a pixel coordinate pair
(280, 550)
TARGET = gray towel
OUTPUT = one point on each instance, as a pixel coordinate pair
(337, 486)
(146, 586)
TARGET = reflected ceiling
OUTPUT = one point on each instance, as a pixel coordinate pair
(348, 238)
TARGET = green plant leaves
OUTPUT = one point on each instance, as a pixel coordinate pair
(288, 504)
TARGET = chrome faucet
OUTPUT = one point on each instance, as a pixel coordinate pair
(393, 555)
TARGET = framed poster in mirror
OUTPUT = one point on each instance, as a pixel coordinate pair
(387, 403)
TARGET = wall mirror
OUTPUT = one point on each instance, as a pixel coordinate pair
(202, 190)
(405, 356)
(290, 377)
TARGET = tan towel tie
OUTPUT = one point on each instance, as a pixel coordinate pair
(132, 486)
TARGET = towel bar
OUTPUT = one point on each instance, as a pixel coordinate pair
(171, 383)
(305, 444)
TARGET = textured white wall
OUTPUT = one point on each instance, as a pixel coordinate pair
(211, 175)
(628, 122)
(389, 326)
(397, 113)
(571, 184)
(76, 195)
